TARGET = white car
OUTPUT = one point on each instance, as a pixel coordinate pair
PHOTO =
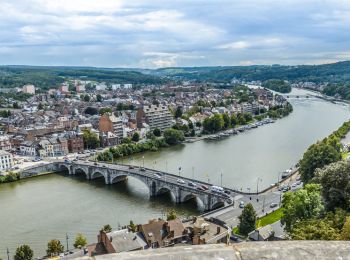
(157, 175)
(180, 181)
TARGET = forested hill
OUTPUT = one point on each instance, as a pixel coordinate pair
(49, 77)
(335, 72)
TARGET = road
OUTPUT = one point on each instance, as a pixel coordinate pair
(261, 204)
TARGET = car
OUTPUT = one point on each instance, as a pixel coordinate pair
(192, 184)
(204, 187)
(95, 163)
(131, 167)
(227, 192)
(157, 175)
(273, 205)
(180, 181)
(200, 188)
(142, 169)
(241, 204)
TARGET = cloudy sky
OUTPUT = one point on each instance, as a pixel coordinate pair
(161, 33)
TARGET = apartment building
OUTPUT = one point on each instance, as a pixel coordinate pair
(156, 116)
(110, 123)
(6, 160)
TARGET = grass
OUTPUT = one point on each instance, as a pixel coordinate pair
(270, 218)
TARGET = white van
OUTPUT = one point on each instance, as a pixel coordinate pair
(216, 189)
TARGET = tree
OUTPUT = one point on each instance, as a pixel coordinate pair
(171, 215)
(105, 110)
(98, 98)
(313, 229)
(317, 156)
(91, 111)
(91, 140)
(301, 205)
(132, 226)
(227, 120)
(345, 233)
(173, 136)
(86, 98)
(15, 105)
(107, 228)
(178, 112)
(150, 135)
(335, 182)
(80, 241)
(157, 132)
(24, 252)
(135, 137)
(247, 219)
(233, 120)
(40, 106)
(54, 247)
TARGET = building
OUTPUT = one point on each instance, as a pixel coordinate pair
(110, 123)
(29, 148)
(156, 116)
(80, 88)
(28, 89)
(76, 143)
(64, 89)
(262, 234)
(6, 160)
(161, 233)
(121, 241)
(5, 143)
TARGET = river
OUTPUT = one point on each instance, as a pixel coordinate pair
(33, 211)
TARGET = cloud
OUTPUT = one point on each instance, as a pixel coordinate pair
(173, 33)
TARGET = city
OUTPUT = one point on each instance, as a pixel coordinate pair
(150, 131)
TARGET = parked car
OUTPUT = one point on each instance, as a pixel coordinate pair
(273, 205)
(142, 169)
(204, 187)
(227, 191)
(192, 184)
(241, 204)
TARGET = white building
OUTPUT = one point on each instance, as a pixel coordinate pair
(128, 86)
(29, 89)
(101, 86)
(116, 86)
(6, 160)
(156, 116)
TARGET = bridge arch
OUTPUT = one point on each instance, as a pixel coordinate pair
(64, 168)
(79, 170)
(218, 204)
(166, 190)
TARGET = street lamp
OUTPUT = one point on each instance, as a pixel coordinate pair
(8, 253)
(179, 170)
(257, 185)
(67, 241)
(143, 161)
(192, 172)
(221, 179)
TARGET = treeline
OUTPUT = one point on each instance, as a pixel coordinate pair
(52, 77)
(10, 177)
(341, 89)
(320, 211)
(277, 85)
(170, 137)
(335, 72)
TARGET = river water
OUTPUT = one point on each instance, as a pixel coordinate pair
(33, 211)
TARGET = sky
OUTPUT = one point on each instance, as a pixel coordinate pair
(161, 33)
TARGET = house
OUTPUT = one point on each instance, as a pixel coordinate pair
(161, 233)
(262, 234)
(29, 148)
(122, 240)
(110, 123)
(75, 142)
(108, 139)
(5, 143)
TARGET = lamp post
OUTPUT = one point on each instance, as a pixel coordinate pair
(257, 185)
(221, 179)
(143, 161)
(67, 240)
(179, 170)
(8, 253)
(192, 172)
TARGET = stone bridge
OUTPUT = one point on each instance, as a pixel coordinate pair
(157, 182)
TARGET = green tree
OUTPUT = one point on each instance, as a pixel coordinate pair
(135, 137)
(234, 120)
(317, 156)
(313, 229)
(150, 135)
(132, 226)
(24, 252)
(227, 120)
(178, 112)
(15, 105)
(80, 241)
(173, 136)
(91, 140)
(157, 132)
(98, 98)
(247, 219)
(107, 228)
(345, 233)
(54, 247)
(335, 181)
(301, 205)
(171, 215)
(86, 98)
(40, 106)
(105, 110)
